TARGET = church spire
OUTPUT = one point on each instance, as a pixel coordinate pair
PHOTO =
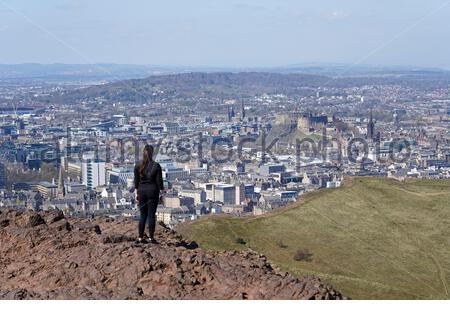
(370, 126)
(242, 110)
(61, 188)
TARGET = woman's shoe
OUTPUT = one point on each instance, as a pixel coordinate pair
(142, 240)
(153, 241)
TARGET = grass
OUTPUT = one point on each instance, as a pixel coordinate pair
(370, 239)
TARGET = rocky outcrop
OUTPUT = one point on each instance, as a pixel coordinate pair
(48, 256)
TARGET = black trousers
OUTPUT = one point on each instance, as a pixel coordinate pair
(148, 203)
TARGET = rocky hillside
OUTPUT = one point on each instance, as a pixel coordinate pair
(47, 256)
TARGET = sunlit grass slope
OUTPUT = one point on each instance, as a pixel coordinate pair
(370, 239)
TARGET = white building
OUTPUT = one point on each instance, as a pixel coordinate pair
(225, 193)
(93, 172)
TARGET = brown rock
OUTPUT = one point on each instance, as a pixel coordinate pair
(69, 260)
(53, 216)
(35, 220)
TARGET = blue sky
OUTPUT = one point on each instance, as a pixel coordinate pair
(231, 33)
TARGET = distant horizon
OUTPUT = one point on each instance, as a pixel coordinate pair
(276, 66)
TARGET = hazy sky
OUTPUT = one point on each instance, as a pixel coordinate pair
(227, 32)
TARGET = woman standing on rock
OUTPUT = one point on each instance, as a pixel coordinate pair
(148, 184)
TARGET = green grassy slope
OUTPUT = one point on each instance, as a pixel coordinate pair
(371, 239)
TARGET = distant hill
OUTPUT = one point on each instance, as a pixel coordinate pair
(185, 85)
(240, 84)
(371, 239)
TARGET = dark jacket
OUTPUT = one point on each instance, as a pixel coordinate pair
(152, 178)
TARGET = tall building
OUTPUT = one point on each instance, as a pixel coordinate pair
(230, 113)
(93, 172)
(371, 127)
(242, 110)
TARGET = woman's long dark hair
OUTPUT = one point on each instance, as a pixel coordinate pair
(146, 158)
